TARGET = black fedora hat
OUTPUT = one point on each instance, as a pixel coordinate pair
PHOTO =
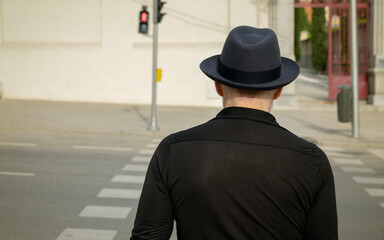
(251, 59)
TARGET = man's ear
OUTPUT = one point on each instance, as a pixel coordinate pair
(219, 89)
(277, 93)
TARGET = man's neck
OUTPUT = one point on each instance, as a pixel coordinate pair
(259, 104)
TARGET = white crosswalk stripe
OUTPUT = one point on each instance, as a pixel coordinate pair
(369, 180)
(358, 170)
(147, 151)
(20, 174)
(377, 152)
(340, 154)
(103, 148)
(105, 212)
(135, 168)
(128, 179)
(344, 161)
(119, 193)
(331, 149)
(18, 144)
(375, 192)
(152, 145)
(86, 234)
(141, 159)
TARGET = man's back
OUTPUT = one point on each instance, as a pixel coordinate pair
(239, 176)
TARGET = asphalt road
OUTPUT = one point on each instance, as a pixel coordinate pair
(61, 186)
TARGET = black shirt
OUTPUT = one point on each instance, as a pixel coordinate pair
(238, 176)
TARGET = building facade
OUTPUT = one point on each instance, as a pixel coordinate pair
(91, 51)
(376, 69)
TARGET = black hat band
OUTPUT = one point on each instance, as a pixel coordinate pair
(249, 77)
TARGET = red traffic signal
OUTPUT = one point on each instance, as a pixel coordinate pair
(143, 18)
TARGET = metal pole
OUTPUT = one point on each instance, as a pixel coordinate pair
(229, 16)
(354, 69)
(153, 124)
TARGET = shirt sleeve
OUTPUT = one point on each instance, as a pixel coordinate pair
(322, 218)
(154, 219)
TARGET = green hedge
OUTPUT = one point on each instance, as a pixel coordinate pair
(319, 40)
(301, 23)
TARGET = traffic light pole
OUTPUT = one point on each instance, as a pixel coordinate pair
(153, 123)
(354, 70)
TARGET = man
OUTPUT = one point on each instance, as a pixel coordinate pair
(240, 175)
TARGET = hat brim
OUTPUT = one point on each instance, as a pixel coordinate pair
(289, 72)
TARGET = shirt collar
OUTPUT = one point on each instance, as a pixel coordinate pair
(247, 113)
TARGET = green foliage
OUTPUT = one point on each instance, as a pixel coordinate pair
(298, 27)
(319, 40)
(301, 23)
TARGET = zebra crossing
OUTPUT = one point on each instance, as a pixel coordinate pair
(130, 178)
(359, 166)
(132, 174)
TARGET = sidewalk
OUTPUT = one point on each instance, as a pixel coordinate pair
(313, 117)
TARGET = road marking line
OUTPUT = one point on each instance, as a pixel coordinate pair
(136, 168)
(369, 180)
(104, 148)
(147, 151)
(375, 192)
(152, 145)
(128, 179)
(105, 212)
(18, 144)
(378, 152)
(331, 149)
(382, 204)
(348, 161)
(358, 170)
(119, 193)
(86, 234)
(156, 140)
(22, 174)
(340, 154)
(141, 159)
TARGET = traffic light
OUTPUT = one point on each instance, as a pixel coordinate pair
(159, 7)
(143, 17)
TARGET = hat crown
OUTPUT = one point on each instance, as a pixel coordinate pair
(251, 49)
(251, 59)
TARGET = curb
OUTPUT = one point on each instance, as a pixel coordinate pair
(360, 143)
(143, 132)
(349, 142)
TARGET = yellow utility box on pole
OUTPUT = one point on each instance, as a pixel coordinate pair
(158, 74)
